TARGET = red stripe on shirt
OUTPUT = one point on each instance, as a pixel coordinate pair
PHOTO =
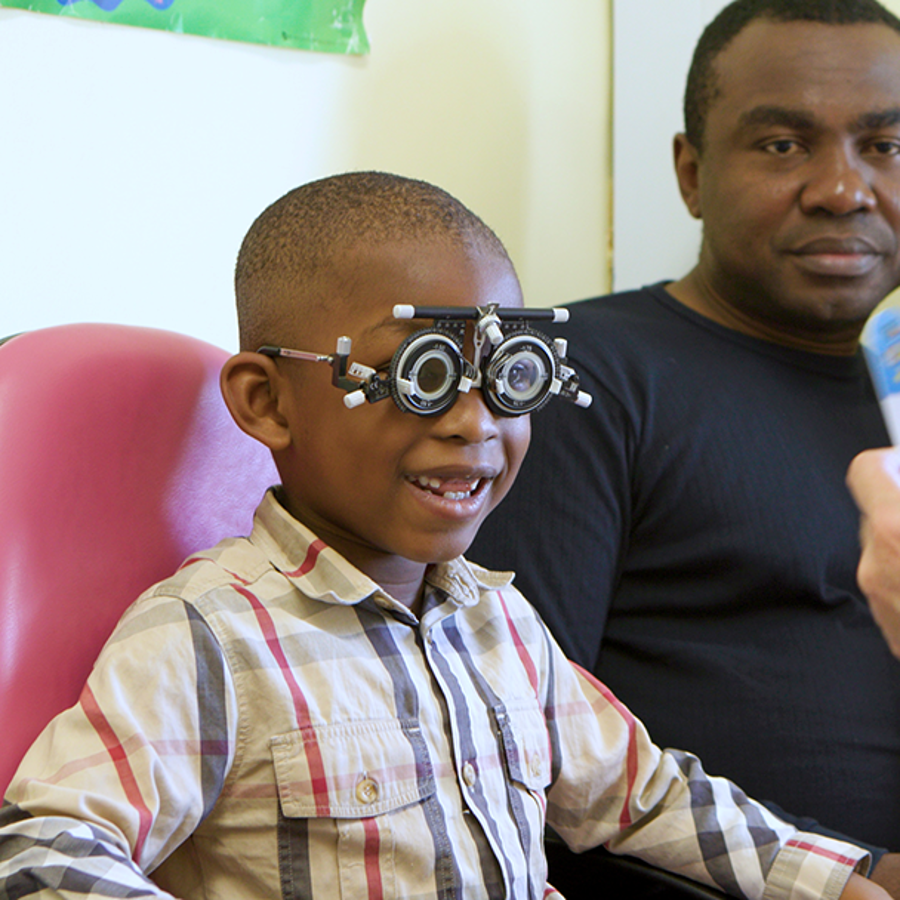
(527, 661)
(301, 708)
(312, 554)
(530, 670)
(372, 853)
(193, 560)
(822, 851)
(117, 753)
(631, 765)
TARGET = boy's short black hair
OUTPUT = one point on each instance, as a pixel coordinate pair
(299, 236)
(701, 89)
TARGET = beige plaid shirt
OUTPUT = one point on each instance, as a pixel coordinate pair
(269, 723)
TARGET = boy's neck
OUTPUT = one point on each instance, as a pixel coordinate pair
(403, 579)
(409, 594)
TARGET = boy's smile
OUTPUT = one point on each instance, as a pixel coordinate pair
(390, 490)
(450, 489)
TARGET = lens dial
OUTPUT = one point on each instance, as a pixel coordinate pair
(519, 374)
(425, 373)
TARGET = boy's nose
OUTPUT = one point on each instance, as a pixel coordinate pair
(469, 419)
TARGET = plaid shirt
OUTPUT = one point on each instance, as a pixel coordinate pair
(269, 723)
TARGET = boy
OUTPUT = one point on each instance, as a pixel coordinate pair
(340, 705)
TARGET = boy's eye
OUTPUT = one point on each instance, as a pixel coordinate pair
(433, 374)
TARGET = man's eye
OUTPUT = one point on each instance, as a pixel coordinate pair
(885, 147)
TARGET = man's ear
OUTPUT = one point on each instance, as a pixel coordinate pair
(252, 386)
(687, 169)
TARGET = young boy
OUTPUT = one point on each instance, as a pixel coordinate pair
(340, 705)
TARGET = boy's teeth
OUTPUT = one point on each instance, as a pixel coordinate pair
(434, 485)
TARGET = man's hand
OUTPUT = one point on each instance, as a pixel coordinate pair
(859, 888)
(887, 874)
(874, 481)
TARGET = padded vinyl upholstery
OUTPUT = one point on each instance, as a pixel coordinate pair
(118, 459)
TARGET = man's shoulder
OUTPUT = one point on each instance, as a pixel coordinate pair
(642, 310)
(613, 329)
(640, 300)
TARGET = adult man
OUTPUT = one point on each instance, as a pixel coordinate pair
(695, 519)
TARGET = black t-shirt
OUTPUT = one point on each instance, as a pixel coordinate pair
(690, 539)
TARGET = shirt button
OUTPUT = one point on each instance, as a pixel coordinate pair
(535, 765)
(470, 776)
(367, 791)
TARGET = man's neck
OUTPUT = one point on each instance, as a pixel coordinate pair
(697, 294)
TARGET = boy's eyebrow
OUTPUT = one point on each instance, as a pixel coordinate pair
(387, 322)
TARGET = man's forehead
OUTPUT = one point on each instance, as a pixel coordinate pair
(814, 46)
(792, 73)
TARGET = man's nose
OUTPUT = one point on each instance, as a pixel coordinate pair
(839, 183)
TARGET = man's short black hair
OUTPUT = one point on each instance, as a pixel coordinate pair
(702, 89)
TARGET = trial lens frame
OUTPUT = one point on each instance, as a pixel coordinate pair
(517, 367)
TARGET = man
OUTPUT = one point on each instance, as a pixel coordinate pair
(690, 538)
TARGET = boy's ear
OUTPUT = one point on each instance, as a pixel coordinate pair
(687, 170)
(252, 386)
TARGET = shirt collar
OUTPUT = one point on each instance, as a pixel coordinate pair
(321, 573)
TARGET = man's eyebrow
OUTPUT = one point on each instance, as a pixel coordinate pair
(802, 120)
(796, 119)
(872, 121)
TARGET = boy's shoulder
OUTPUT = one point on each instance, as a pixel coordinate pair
(233, 562)
(211, 583)
(234, 565)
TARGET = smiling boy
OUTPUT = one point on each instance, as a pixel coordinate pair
(340, 705)
(391, 516)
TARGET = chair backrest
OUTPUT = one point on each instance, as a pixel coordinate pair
(118, 459)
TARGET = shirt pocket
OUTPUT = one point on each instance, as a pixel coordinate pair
(351, 770)
(351, 795)
(525, 743)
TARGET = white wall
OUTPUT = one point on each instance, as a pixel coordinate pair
(132, 161)
(654, 237)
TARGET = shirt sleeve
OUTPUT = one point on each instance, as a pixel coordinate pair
(614, 787)
(116, 783)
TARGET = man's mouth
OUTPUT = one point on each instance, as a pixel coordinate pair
(838, 256)
(449, 488)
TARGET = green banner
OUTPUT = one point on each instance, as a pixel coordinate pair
(334, 26)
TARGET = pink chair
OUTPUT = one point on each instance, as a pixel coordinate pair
(118, 459)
